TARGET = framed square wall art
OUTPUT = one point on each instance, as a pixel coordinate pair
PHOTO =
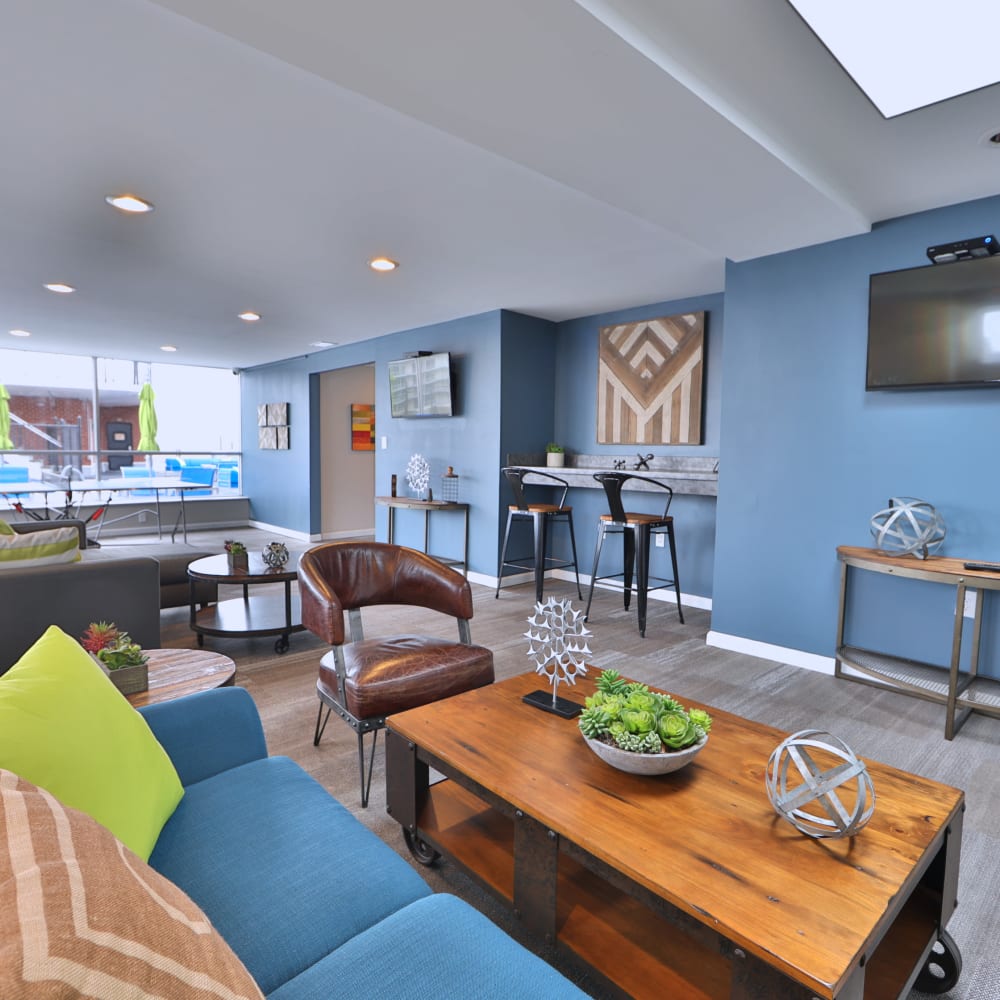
(650, 381)
(362, 427)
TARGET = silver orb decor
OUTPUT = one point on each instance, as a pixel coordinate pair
(816, 782)
(908, 527)
(275, 555)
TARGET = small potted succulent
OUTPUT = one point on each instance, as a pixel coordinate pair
(555, 455)
(237, 555)
(641, 731)
(122, 660)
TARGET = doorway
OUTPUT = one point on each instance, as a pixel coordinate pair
(347, 476)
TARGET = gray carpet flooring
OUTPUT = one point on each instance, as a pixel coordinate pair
(904, 732)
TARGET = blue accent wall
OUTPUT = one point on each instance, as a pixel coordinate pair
(807, 455)
(576, 429)
(284, 485)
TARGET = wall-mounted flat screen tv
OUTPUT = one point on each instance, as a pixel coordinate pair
(937, 325)
(421, 386)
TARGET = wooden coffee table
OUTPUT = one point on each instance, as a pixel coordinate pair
(262, 612)
(687, 884)
(174, 673)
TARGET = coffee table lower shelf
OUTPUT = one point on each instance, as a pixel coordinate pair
(260, 614)
(637, 943)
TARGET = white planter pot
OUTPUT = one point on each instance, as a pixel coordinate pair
(555, 459)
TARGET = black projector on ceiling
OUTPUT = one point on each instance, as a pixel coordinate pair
(978, 246)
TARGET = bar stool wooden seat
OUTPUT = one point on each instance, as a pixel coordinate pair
(541, 516)
(637, 531)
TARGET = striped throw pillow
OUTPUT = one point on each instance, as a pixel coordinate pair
(82, 916)
(38, 548)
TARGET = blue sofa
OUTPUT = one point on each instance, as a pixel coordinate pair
(312, 902)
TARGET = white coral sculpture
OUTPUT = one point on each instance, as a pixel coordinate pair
(418, 473)
(556, 641)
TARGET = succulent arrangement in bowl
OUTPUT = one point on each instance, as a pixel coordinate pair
(639, 730)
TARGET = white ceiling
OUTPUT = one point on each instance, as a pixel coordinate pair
(553, 157)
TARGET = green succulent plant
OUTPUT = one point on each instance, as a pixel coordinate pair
(628, 715)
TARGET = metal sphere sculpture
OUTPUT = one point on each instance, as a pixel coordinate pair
(275, 554)
(909, 527)
(806, 776)
(557, 643)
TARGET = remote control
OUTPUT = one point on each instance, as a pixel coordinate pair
(986, 567)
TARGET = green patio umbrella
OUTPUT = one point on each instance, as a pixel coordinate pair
(147, 420)
(5, 442)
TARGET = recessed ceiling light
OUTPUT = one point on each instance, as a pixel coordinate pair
(131, 203)
(249, 316)
(60, 287)
(383, 264)
(169, 348)
(323, 343)
(20, 333)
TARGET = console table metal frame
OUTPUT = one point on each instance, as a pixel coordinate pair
(428, 507)
(961, 692)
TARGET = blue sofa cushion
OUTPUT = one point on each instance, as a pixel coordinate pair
(438, 948)
(284, 872)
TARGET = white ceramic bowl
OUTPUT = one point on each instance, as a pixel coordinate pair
(646, 763)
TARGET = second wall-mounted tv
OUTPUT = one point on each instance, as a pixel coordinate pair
(420, 386)
(937, 325)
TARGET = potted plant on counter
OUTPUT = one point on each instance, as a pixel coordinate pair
(122, 660)
(555, 455)
(237, 555)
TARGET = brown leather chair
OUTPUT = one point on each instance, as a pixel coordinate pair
(364, 680)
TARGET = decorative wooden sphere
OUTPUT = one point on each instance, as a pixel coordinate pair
(816, 782)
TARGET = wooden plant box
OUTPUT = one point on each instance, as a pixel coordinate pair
(130, 680)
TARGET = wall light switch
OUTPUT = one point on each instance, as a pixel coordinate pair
(660, 541)
(969, 611)
(385, 442)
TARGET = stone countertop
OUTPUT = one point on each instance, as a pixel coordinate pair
(697, 476)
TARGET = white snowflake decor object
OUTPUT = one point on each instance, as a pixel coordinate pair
(556, 642)
(418, 474)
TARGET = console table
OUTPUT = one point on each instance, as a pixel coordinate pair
(961, 692)
(428, 507)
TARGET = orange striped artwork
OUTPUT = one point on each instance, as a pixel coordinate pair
(362, 427)
(651, 381)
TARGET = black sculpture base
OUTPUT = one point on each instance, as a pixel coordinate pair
(562, 707)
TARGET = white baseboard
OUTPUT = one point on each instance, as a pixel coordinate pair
(768, 651)
(302, 536)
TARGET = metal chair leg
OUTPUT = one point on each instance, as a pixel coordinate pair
(642, 574)
(321, 728)
(628, 540)
(366, 787)
(593, 572)
(576, 567)
(503, 553)
(539, 524)
(677, 581)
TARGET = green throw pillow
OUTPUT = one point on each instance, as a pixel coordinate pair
(5, 528)
(65, 727)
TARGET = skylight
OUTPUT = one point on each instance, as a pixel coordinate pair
(908, 54)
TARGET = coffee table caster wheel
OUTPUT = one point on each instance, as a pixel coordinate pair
(420, 849)
(281, 646)
(942, 968)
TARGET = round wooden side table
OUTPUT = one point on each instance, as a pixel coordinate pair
(174, 673)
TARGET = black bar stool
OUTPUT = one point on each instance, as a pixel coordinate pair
(636, 529)
(541, 515)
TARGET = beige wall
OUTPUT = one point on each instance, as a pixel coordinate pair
(347, 477)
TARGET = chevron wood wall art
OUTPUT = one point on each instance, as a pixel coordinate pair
(650, 381)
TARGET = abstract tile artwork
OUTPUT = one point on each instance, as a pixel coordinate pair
(650, 383)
